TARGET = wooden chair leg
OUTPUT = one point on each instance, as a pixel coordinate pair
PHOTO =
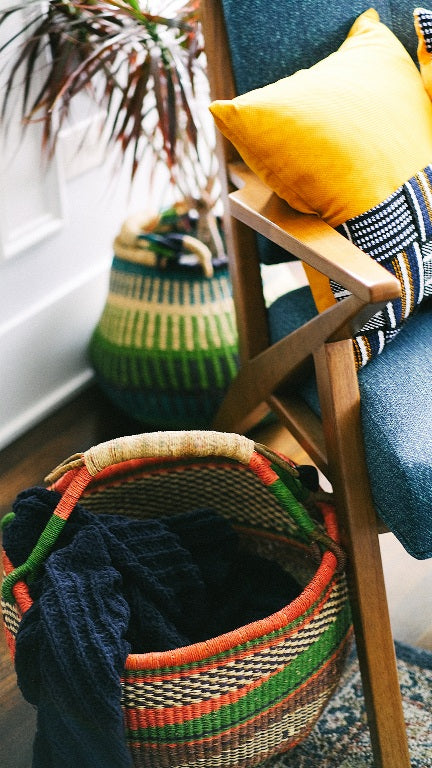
(247, 288)
(340, 403)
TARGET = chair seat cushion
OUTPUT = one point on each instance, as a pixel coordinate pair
(397, 419)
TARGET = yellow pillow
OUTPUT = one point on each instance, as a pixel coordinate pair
(423, 27)
(338, 138)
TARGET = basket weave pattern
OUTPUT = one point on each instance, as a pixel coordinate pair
(165, 348)
(244, 696)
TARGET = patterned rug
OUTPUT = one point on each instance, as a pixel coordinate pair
(341, 737)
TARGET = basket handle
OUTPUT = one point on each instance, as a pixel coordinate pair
(159, 445)
(169, 444)
(132, 243)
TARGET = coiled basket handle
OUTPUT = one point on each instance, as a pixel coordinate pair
(170, 445)
(159, 445)
(131, 244)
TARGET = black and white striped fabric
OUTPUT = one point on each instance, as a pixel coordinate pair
(397, 233)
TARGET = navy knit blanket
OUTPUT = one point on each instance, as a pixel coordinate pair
(112, 586)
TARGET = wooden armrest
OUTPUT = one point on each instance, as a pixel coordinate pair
(309, 238)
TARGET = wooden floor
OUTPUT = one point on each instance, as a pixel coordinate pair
(90, 420)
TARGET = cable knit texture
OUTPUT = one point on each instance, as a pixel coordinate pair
(113, 586)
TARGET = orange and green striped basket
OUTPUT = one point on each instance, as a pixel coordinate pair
(237, 699)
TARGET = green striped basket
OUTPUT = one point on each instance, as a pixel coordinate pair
(165, 348)
(242, 697)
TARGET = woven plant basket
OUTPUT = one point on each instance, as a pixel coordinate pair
(244, 696)
(165, 348)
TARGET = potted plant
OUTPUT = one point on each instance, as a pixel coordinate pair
(168, 358)
(145, 70)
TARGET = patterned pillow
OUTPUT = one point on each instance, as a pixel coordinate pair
(423, 27)
(397, 233)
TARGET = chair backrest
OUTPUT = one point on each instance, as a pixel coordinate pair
(270, 39)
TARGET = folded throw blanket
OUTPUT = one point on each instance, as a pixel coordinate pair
(112, 586)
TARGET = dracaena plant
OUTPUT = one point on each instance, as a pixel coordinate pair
(145, 69)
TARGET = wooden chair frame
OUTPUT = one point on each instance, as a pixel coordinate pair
(268, 375)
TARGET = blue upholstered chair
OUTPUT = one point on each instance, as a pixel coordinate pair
(370, 429)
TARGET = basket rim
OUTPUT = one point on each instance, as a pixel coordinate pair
(196, 653)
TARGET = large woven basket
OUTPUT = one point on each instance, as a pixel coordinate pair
(244, 696)
(165, 348)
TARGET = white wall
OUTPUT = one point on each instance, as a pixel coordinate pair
(57, 224)
(56, 229)
(51, 295)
